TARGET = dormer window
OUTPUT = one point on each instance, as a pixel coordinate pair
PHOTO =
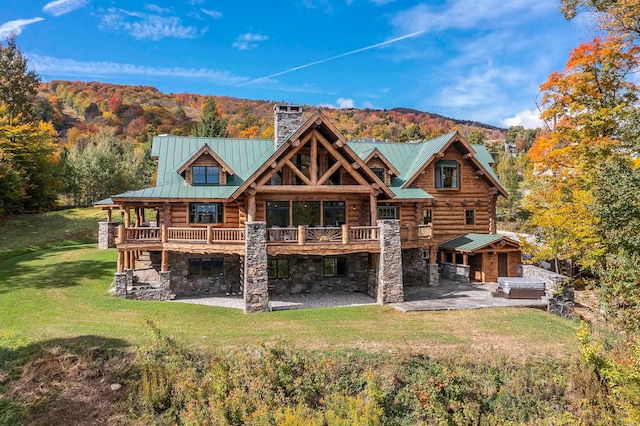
(447, 174)
(379, 172)
(206, 175)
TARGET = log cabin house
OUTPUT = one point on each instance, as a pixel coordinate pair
(309, 211)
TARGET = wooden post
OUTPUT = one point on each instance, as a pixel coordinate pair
(302, 234)
(164, 265)
(465, 259)
(120, 261)
(132, 262)
(127, 260)
(209, 234)
(443, 257)
(109, 215)
(433, 250)
(165, 234)
(143, 219)
(121, 234)
(127, 217)
(373, 205)
(251, 207)
(345, 234)
(136, 212)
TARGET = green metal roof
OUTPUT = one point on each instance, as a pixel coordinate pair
(105, 202)
(471, 242)
(245, 156)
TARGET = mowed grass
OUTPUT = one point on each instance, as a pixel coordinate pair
(62, 293)
(31, 232)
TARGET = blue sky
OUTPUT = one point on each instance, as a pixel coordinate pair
(469, 59)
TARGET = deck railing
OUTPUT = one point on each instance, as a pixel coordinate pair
(291, 235)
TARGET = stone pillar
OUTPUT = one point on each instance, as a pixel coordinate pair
(165, 285)
(390, 288)
(256, 290)
(121, 284)
(107, 235)
(434, 275)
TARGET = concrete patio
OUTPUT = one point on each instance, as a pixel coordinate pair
(449, 295)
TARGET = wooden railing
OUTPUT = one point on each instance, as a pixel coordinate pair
(143, 234)
(364, 233)
(291, 235)
(282, 235)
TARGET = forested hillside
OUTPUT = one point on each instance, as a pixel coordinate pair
(140, 111)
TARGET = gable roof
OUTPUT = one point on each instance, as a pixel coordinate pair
(475, 242)
(375, 153)
(206, 149)
(317, 121)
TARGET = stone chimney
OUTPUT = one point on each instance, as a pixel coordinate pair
(287, 119)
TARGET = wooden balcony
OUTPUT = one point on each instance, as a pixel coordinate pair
(291, 240)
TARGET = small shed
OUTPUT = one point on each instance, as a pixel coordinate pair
(487, 256)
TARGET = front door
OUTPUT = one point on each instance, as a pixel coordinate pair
(503, 269)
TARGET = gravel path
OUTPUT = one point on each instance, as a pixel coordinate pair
(287, 302)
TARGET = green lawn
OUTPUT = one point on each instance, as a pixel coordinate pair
(62, 293)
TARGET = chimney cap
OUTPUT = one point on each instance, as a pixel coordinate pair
(287, 108)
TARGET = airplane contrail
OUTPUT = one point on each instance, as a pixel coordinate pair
(373, 46)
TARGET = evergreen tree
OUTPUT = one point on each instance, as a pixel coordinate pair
(211, 124)
(17, 83)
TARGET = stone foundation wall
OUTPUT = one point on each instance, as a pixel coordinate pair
(127, 289)
(455, 272)
(559, 289)
(307, 276)
(107, 232)
(184, 285)
(413, 269)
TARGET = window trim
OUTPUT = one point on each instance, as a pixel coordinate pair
(215, 175)
(214, 272)
(194, 214)
(470, 217)
(438, 182)
(279, 263)
(427, 218)
(380, 208)
(338, 264)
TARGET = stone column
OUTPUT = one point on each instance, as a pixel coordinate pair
(434, 275)
(256, 290)
(165, 285)
(121, 284)
(107, 235)
(390, 287)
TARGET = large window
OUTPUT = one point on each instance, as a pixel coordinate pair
(335, 266)
(388, 212)
(447, 174)
(206, 267)
(277, 213)
(278, 268)
(333, 213)
(206, 213)
(206, 175)
(470, 217)
(306, 213)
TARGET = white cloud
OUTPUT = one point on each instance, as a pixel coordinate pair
(144, 26)
(155, 8)
(60, 7)
(196, 1)
(70, 67)
(16, 26)
(464, 14)
(249, 41)
(527, 118)
(213, 13)
(345, 103)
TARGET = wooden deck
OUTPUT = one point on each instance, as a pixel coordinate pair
(280, 241)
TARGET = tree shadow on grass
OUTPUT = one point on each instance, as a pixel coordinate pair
(25, 271)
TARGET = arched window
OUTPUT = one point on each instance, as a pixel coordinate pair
(447, 174)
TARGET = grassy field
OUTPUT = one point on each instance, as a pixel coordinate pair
(62, 293)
